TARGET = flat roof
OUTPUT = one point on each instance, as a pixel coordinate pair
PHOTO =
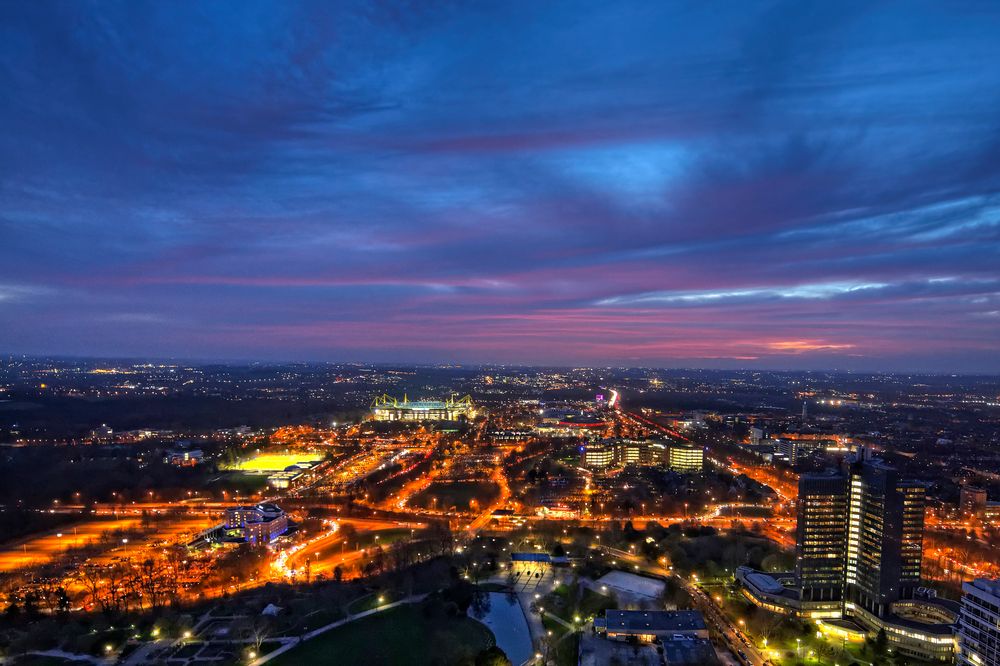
(988, 585)
(633, 584)
(766, 583)
(638, 622)
(936, 628)
(530, 557)
(690, 652)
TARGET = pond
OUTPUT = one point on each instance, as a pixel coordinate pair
(508, 624)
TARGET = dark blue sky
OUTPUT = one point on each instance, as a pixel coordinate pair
(797, 184)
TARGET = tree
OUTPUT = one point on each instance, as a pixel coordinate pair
(62, 601)
(348, 531)
(480, 603)
(255, 630)
(13, 611)
(492, 656)
(511, 591)
(31, 605)
(881, 642)
(260, 631)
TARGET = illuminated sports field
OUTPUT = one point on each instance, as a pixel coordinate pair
(275, 462)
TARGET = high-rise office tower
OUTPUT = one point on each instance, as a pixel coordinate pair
(884, 536)
(979, 624)
(860, 535)
(858, 555)
(821, 533)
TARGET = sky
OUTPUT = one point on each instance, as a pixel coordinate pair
(696, 184)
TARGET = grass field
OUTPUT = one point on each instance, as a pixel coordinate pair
(245, 482)
(564, 648)
(402, 635)
(370, 601)
(458, 494)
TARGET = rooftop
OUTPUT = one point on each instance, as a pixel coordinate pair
(416, 405)
(689, 652)
(988, 585)
(632, 585)
(766, 583)
(638, 622)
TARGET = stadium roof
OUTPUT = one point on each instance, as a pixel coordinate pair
(418, 405)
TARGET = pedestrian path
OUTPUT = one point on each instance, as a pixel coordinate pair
(333, 625)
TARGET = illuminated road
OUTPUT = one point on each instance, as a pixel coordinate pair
(498, 477)
(330, 550)
(180, 530)
(39, 550)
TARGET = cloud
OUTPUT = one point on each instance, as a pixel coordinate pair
(801, 346)
(803, 291)
(554, 182)
(12, 293)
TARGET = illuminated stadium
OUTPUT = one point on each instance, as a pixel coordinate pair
(387, 408)
(268, 463)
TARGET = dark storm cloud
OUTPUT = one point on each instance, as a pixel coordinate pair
(775, 183)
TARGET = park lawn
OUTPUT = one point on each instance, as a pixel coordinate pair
(385, 538)
(567, 650)
(319, 618)
(370, 601)
(591, 603)
(457, 494)
(595, 603)
(241, 481)
(563, 649)
(402, 635)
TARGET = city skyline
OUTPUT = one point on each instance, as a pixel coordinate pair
(783, 186)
